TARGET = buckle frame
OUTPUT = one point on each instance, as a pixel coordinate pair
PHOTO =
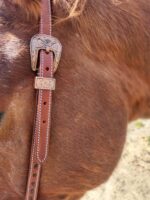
(47, 43)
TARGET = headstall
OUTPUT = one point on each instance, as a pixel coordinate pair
(45, 55)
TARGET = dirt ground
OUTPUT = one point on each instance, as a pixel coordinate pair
(131, 179)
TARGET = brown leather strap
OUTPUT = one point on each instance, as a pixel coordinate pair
(41, 133)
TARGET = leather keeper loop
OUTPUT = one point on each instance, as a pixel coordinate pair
(43, 83)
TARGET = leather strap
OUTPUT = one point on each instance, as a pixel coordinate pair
(41, 133)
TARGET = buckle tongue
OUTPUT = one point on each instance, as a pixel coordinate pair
(47, 43)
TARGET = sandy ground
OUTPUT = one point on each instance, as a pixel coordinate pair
(131, 179)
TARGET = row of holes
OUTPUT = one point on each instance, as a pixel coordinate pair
(33, 183)
(47, 69)
(44, 104)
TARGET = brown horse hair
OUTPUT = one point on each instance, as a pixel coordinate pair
(31, 7)
(73, 8)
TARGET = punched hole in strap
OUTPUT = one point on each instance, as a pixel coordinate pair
(34, 175)
(36, 166)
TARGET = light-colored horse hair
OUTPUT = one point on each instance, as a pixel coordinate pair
(72, 8)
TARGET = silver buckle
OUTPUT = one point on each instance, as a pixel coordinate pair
(47, 43)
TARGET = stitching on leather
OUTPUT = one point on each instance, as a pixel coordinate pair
(49, 116)
(37, 183)
(38, 125)
(50, 92)
(32, 161)
(41, 98)
(40, 111)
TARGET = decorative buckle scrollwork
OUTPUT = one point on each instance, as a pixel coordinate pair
(47, 43)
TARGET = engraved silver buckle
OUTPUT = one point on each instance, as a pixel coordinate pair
(47, 43)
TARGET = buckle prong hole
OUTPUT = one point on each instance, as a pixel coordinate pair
(35, 166)
(34, 175)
